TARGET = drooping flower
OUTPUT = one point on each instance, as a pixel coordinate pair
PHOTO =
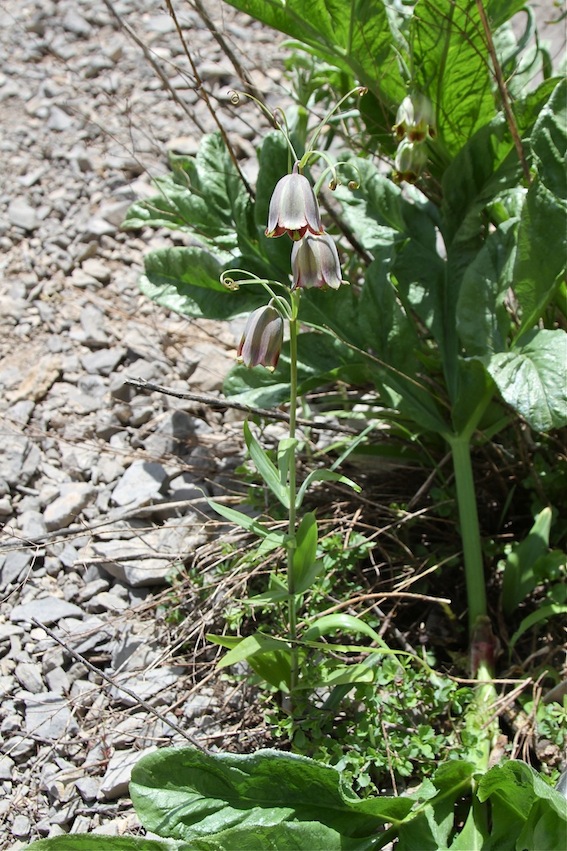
(411, 158)
(262, 339)
(293, 208)
(415, 119)
(315, 263)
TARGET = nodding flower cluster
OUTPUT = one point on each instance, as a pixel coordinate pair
(314, 264)
(415, 123)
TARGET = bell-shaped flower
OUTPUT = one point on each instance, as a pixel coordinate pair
(411, 158)
(293, 208)
(315, 263)
(415, 119)
(262, 339)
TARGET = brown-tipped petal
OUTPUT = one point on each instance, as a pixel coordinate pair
(315, 263)
(262, 338)
(293, 208)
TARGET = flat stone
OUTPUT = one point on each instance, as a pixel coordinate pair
(127, 560)
(22, 215)
(6, 767)
(65, 509)
(144, 686)
(21, 827)
(119, 770)
(97, 269)
(45, 610)
(48, 717)
(103, 361)
(28, 674)
(141, 484)
(19, 460)
(38, 380)
(15, 565)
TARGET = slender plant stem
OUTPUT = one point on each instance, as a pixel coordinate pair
(470, 530)
(292, 602)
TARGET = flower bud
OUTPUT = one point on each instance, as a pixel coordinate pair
(411, 157)
(262, 339)
(315, 263)
(293, 208)
(415, 119)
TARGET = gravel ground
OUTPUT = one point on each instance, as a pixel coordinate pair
(102, 485)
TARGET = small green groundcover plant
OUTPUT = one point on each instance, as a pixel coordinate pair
(455, 254)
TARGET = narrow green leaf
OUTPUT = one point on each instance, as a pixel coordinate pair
(345, 623)
(251, 524)
(305, 552)
(250, 646)
(323, 476)
(542, 614)
(519, 578)
(265, 467)
(286, 457)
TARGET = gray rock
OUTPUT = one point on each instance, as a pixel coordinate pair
(48, 717)
(66, 508)
(141, 484)
(19, 460)
(173, 435)
(32, 525)
(57, 681)
(97, 269)
(88, 788)
(28, 674)
(21, 826)
(6, 767)
(45, 610)
(76, 24)
(15, 565)
(103, 361)
(22, 215)
(145, 685)
(106, 601)
(131, 562)
(117, 777)
(59, 120)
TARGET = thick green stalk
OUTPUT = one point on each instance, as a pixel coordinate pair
(292, 602)
(470, 530)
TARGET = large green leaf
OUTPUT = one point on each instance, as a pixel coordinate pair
(186, 793)
(526, 812)
(186, 280)
(542, 237)
(287, 836)
(450, 61)
(356, 35)
(97, 842)
(204, 195)
(434, 822)
(482, 319)
(531, 378)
